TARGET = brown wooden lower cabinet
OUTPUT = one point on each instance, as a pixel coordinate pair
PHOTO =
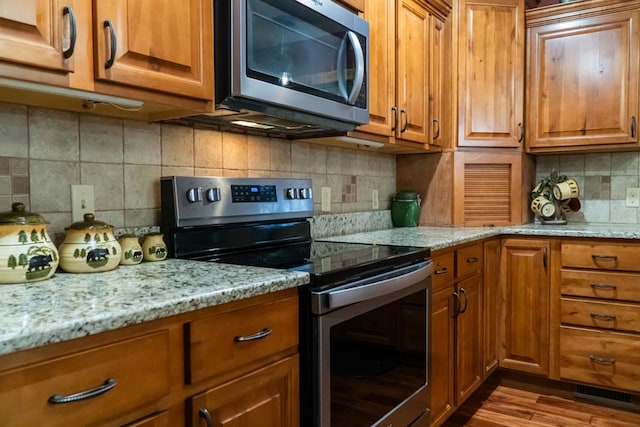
(524, 311)
(267, 397)
(442, 401)
(148, 379)
(457, 328)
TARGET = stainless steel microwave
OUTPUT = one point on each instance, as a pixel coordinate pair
(293, 68)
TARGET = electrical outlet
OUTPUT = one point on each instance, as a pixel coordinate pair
(326, 199)
(375, 203)
(633, 197)
(82, 201)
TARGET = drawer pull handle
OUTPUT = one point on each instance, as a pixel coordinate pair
(602, 360)
(604, 257)
(257, 336)
(443, 270)
(87, 394)
(603, 316)
(204, 414)
(603, 286)
(472, 259)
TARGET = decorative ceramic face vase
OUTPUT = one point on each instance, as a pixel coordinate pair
(27, 254)
(89, 246)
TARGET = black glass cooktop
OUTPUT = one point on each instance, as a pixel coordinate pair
(330, 263)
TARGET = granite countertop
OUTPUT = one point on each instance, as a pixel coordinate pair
(75, 305)
(444, 237)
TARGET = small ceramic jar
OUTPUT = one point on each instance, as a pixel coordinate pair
(153, 247)
(89, 246)
(27, 254)
(131, 249)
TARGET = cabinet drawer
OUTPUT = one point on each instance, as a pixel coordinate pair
(603, 358)
(600, 314)
(609, 285)
(139, 366)
(228, 341)
(443, 271)
(601, 256)
(468, 260)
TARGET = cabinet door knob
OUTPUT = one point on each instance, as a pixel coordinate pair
(604, 286)
(466, 300)
(602, 316)
(436, 133)
(394, 110)
(633, 126)
(443, 270)
(403, 112)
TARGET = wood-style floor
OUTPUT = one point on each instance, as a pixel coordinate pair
(496, 405)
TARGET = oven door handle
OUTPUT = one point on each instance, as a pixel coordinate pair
(342, 297)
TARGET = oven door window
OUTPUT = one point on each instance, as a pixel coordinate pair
(378, 360)
(292, 46)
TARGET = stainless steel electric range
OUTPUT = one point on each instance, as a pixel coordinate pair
(363, 316)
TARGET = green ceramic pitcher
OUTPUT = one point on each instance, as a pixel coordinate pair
(405, 209)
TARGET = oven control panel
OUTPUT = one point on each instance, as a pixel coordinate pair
(191, 200)
(253, 193)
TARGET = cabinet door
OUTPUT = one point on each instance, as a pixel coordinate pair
(524, 311)
(441, 375)
(37, 33)
(382, 36)
(469, 338)
(412, 86)
(583, 87)
(491, 304)
(163, 45)
(491, 70)
(267, 397)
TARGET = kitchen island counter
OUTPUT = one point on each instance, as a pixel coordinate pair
(69, 306)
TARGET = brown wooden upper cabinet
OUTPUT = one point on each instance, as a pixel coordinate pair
(405, 62)
(583, 71)
(159, 52)
(159, 45)
(37, 33)
(491, 73)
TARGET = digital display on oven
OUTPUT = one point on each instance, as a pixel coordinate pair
(253, 193)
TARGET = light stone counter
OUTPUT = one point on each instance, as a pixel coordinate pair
(75, 305)
(431, 237)
(444, 237)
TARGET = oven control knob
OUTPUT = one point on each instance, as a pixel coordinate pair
(194, 195)
(293, 193)
(213, 194)
(306, 193)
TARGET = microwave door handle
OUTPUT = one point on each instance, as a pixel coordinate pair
(360, 65)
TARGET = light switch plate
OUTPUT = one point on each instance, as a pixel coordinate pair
(633, 197)
(82, 201)
(375, 203)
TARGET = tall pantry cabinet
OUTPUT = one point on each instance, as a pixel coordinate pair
(479, 177)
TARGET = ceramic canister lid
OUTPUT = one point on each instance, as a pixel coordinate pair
(89, 223)
(18, 215)
(406, 196)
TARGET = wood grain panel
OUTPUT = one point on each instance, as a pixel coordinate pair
(598, 255)
(608, 285)
(600, 357)
(487, 193)
(600, 314)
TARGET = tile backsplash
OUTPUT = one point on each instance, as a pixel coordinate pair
(603, 179)
(43, 152)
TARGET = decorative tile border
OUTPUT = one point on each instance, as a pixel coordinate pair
(14, 182)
